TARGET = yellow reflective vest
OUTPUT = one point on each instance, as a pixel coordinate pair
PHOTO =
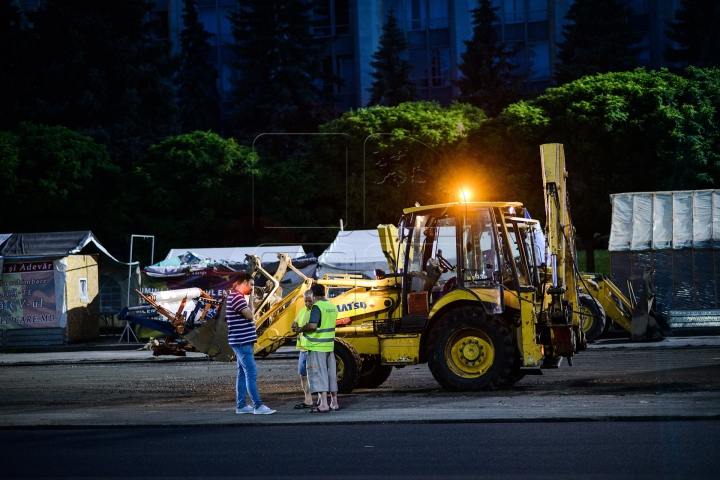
(322, 339)
(301, 321)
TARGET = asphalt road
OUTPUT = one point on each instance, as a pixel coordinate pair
(675, 381)
(572, 450)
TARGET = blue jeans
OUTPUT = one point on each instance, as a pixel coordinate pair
(246, 376)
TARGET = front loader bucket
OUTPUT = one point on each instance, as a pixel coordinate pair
(212, 337)
(644, 324)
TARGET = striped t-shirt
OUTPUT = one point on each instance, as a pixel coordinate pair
(241, 331)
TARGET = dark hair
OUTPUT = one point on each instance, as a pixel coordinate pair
(318, 290)
(243, 277)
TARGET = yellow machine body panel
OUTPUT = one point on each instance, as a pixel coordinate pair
(400, 349)
(532, 351)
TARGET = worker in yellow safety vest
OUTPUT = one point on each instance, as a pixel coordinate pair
(319, 340)
(300, 321)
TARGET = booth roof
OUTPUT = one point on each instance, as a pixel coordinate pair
(53, 244)
(267, 254)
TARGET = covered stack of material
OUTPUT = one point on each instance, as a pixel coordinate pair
(678, 235)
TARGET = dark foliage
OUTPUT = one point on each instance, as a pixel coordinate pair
(489, 80)
(597, 39)
(280, 70)
(99, 70)
(696, 32)
(198, 97)
(56, 179)
(14, 61)
(392, 85)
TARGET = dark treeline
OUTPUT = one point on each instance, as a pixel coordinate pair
(102, 127)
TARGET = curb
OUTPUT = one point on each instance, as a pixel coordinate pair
(609, 418)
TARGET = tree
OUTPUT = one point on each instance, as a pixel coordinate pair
(201, 191)
(392, 85)
(623, 132)
(488, 81)
(696, 34)
(100, 70)
(13, 62)
(416, 151)
(597, 39)
(279, 65)
(56, 179)
(198, 96)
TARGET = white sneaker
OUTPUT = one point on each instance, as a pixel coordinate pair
(245, 409)
(263, 410)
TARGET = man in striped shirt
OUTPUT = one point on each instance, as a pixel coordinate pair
(241, 337)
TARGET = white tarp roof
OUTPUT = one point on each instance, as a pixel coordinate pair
(664, 220)
(267, 254)
(353, 251)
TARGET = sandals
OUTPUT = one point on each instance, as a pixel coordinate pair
(302, 406)
(317, 410)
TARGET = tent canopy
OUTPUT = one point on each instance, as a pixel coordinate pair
(267, 254)
(353, 251)
(28, 245)
(665, 220)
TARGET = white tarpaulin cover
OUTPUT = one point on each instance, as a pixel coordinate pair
(267, 254)
(353, 251)
(665, 220)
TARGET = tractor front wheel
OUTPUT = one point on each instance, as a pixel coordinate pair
(470, 350)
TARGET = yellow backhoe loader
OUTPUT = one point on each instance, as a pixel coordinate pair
(473, 289)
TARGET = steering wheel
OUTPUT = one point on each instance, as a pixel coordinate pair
(444, 264)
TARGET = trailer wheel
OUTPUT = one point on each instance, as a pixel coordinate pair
(372, 373)
(469, 350)
(592, 317)
(348, 366)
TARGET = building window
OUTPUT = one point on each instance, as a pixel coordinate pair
(332, 17)
(417, 15)
(440, 67)
(514, 11)
(83, 287)
(540, 61)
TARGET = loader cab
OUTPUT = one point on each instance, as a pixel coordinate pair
(463, 251)
(523, 250)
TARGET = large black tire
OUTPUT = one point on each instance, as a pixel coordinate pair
(592, 317)
(516, 373)
(348, 366)
(372, 373)
(470, 350)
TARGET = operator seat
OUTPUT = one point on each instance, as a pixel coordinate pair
(423, 282)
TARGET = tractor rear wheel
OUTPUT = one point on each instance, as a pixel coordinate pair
(470, 350)
(372, 373)
(348, 366)
(592, 317)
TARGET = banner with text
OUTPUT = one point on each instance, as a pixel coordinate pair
(27, 295)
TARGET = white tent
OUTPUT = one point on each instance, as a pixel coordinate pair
(267, 254)
(353, 251)
(665, 220)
